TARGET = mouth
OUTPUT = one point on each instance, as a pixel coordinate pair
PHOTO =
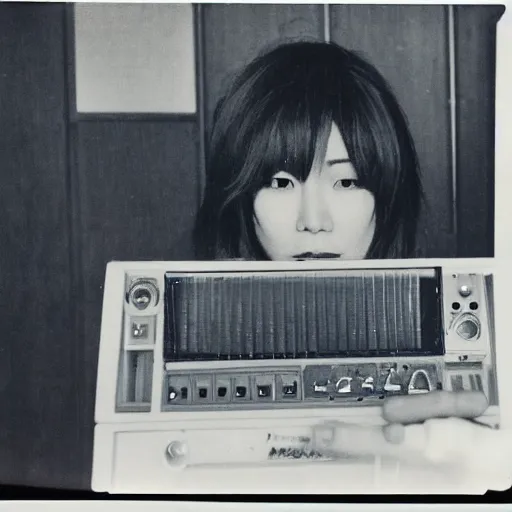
(316, 256)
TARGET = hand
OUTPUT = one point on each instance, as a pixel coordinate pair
(407, 409)
(431, 429)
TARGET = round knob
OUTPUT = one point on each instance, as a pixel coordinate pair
(468, 327)
(465, 290)
(177, 453)
(143, 294)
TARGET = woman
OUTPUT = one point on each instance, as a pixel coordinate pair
(310, 156)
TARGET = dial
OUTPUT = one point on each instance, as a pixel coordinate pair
(468, 327)
(143, 294)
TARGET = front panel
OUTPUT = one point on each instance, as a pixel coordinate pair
(234, 367)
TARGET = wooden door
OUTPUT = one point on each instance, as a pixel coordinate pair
(439, 60)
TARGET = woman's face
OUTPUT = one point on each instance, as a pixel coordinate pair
(326, 216)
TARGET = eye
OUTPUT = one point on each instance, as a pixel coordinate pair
(281, 183)
(345, 184)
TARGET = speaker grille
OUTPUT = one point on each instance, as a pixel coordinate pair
(277, 315)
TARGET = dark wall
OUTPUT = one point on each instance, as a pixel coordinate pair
(475, 40)
(75, 193)
(39, 350)
(78, 191)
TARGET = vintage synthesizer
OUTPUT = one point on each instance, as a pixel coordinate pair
(210, 372)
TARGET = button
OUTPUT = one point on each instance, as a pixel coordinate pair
(179, 390)
(139, 331)
(177, 453)
(465, 290)
(290, 390)
(467, 329)
(222, 390)
(264, 391)
(203, 389)
(240, 391)
(172, 394)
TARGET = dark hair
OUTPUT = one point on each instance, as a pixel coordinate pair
(276, 115)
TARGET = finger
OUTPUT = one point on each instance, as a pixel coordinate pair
(343, 439)
(436, 404)
(394, 433)
(439, 441)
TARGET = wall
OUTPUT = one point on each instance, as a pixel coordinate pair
(78, 191)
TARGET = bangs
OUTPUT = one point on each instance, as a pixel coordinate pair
(291, 136)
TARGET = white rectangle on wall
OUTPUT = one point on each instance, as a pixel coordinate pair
(134, 58)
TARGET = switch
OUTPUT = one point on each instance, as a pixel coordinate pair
(203, 389)
(288, 386)
(178, 390)
(290, 390)
(241, 390)
(264, 387)
(264, 391)
(141, 330)
(222, 389)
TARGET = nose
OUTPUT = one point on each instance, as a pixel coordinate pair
(314, 215)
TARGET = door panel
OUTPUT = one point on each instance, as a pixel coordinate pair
(40, 424)
(234, 34)
(475, 40)
(408, 45)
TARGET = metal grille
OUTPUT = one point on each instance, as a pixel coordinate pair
(318, 314)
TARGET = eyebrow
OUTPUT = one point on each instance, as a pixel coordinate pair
(338, 161)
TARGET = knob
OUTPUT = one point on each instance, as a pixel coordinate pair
(465, 290)
(177, 452)
(143, 294)
(468, 327)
